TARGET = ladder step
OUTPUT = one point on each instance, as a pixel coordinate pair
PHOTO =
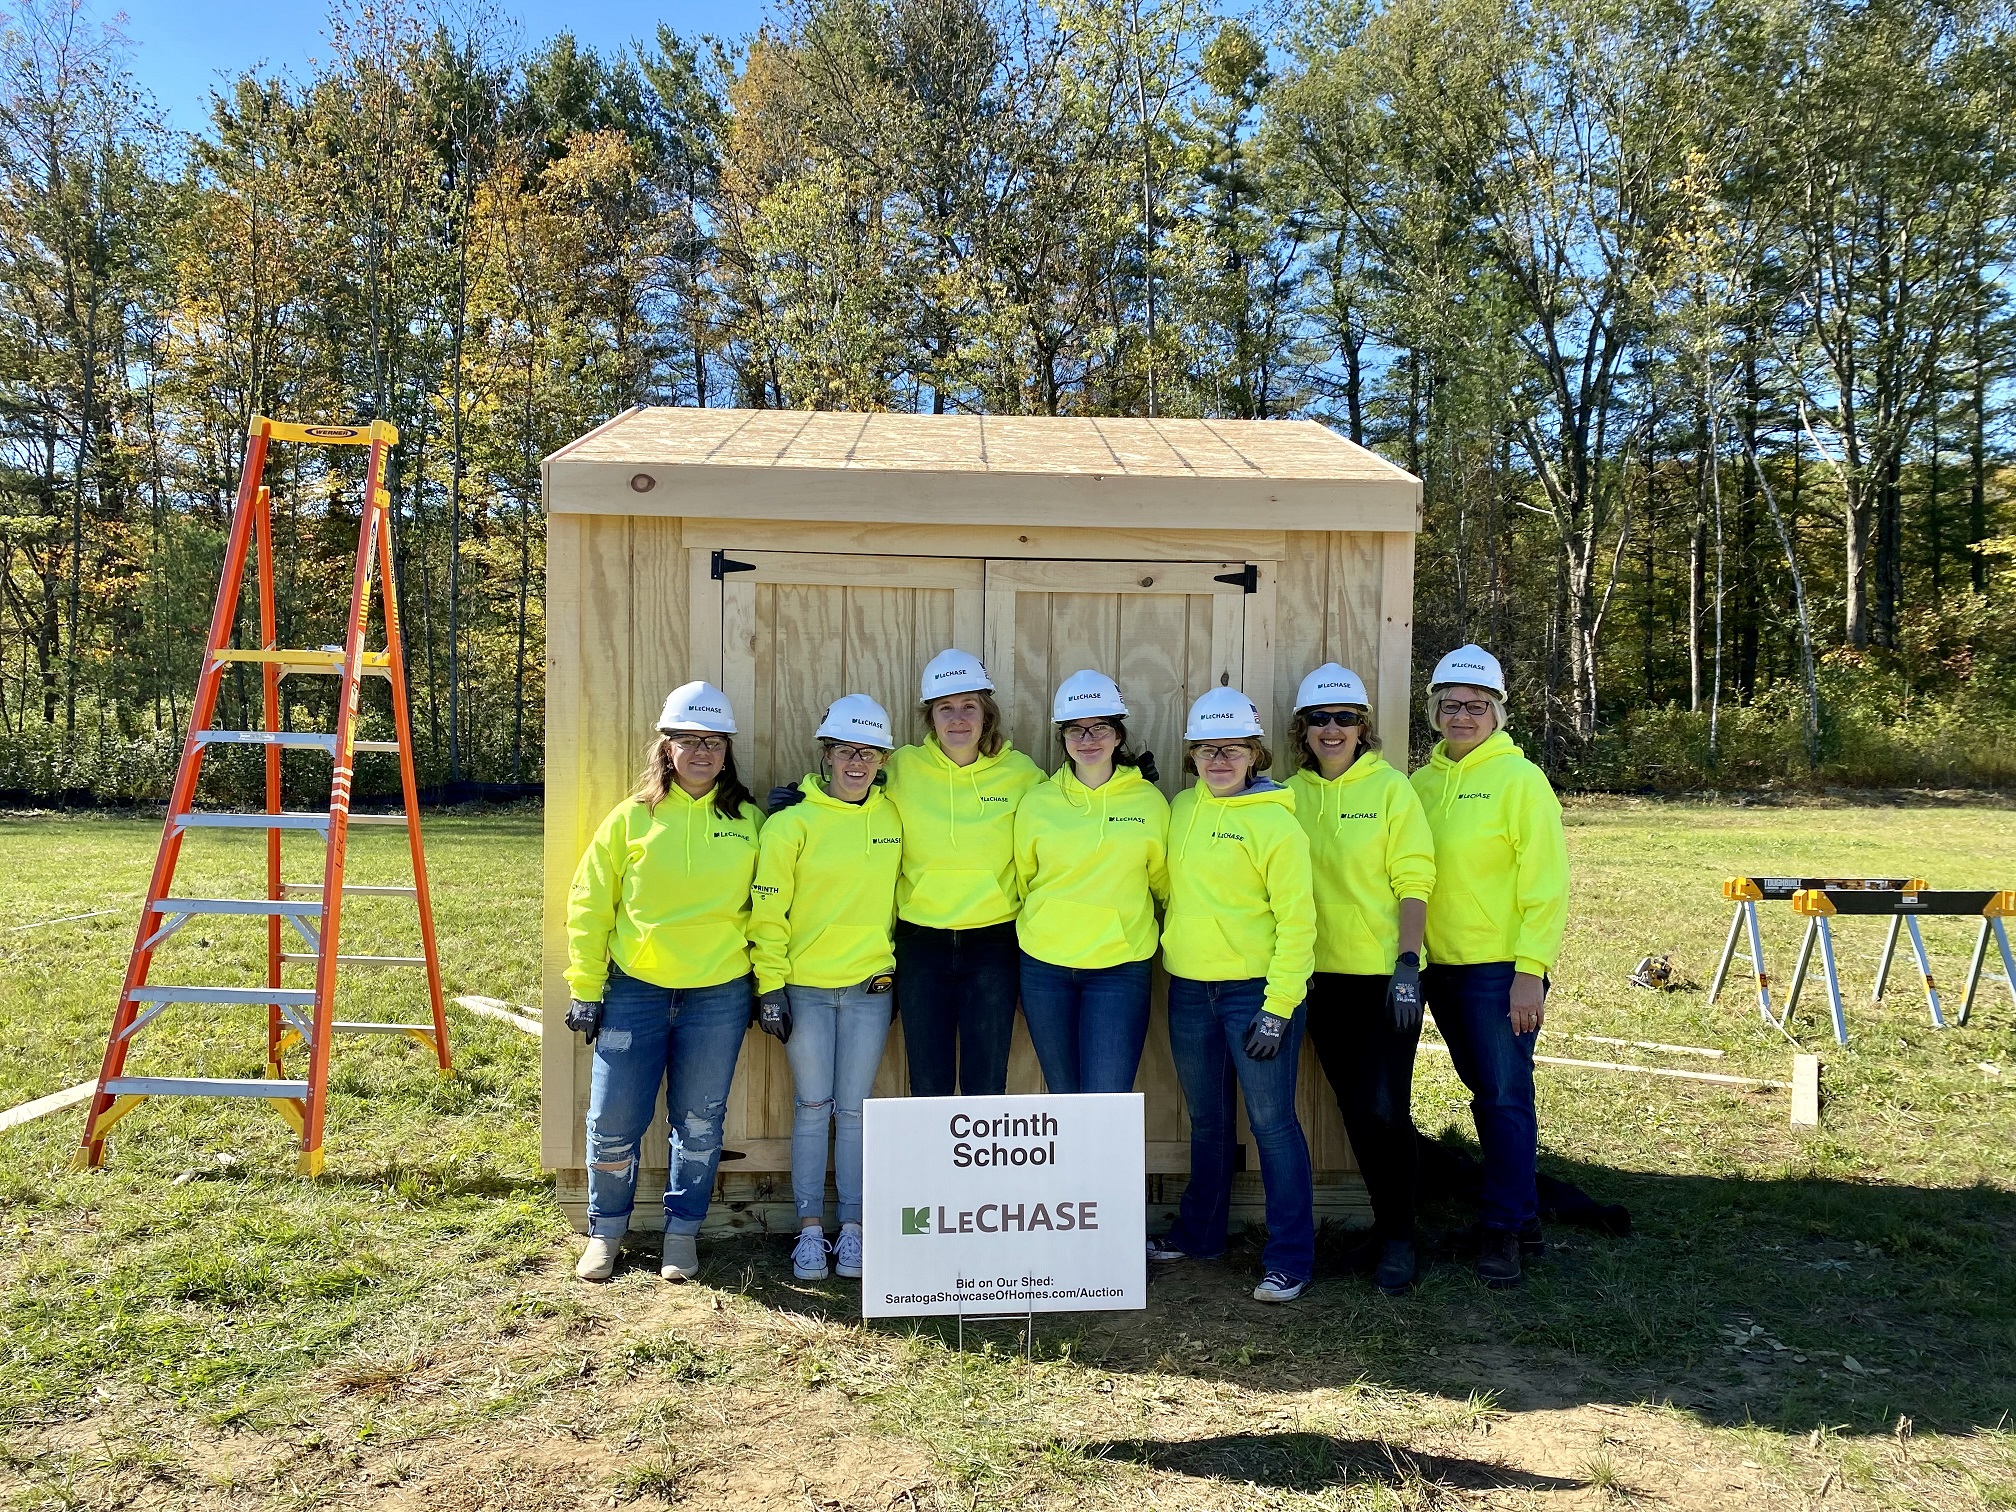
(301, 739)
(352, 890)
(258, 996)
(237, 906)
(377, 818)
(204, 1086)
(389, 746)
(357, 960)
(371, 1027)
(253, 821)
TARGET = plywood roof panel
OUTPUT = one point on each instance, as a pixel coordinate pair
(1254, 450)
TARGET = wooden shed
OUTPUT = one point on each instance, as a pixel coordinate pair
(791, 557)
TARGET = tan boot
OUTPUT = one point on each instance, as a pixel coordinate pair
(598, 1261)
(681, 1260)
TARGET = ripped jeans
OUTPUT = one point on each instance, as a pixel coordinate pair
(687, 1040)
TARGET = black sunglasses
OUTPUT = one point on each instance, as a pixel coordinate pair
(1343, 719)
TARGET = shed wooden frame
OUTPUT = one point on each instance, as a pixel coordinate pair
(781, 554)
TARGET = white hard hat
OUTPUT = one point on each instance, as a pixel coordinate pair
(952, 672)
(859, 720)
(1471, 665)
(697, 706)
(1223, 713)
(1087, 695)
(1331, 684)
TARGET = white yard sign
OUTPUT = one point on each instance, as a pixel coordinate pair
(1003, 1204)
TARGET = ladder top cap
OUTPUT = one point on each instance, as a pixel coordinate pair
(326, 435)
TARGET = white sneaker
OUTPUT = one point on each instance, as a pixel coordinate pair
(598, 1261)
(808, 1257)
(1276, 1286)
(1162, 1252)
(847, 1253)
(681, 1260)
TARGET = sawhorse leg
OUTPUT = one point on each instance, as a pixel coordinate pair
(1798, 983)
(1728, 954)
(1980, 957)
(1889, 953)
(1925, 972)
(1757, 965)
(1833, 980)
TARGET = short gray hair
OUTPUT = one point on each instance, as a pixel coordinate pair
(1435, 701)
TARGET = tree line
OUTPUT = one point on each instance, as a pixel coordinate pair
(1693, 319)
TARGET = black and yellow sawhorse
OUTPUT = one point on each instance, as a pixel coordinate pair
(1747, 892)
(1903, 907)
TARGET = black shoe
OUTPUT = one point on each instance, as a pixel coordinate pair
(1532, 1243)
(1362, 1253)
(1498, 1258)
(1398, 1269)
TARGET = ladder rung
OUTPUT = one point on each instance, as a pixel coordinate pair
(253, 821)
(302, 739)
(320, 663)
(204, 1086)
(236, 906)
(375, 745)
(377, 818)
(357, 960)
(326, 433)
(258, 996)
(352, 890)
(370, 1027)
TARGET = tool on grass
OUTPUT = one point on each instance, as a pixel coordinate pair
(1655, 973)
(1904, 907)
(1747, 892)
(294, 1016)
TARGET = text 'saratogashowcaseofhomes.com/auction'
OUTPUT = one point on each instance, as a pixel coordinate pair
(1003, 1204)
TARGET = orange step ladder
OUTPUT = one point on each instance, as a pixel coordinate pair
(314, 910)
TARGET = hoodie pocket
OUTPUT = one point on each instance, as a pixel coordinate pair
(957, 900)
(1074, 933)
(844, 945)
(676, 954)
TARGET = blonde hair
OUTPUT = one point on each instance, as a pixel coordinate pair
(1435, 706)
(991, 739)
(1263, 759)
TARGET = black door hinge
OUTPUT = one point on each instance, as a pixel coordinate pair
(725, 564)
(1247, 577)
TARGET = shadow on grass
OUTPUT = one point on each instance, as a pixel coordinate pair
(1790, 1304)
(1311, 1462)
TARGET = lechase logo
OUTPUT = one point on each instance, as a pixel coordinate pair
(1461, 796)
(1002, 1218)
(1125, 819)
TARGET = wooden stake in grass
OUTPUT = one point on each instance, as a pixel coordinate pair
(497, 1008)
(1805, 1091)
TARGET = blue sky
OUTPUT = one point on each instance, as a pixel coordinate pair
(183, 47)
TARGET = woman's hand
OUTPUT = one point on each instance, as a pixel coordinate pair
(1529, 1002)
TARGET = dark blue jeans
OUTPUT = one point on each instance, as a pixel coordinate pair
(1207, 1034)
(956, 989)
(685, 1039)
(1088, 1024)
(1473, 1009)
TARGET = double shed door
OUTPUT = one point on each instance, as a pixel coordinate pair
(787, 632)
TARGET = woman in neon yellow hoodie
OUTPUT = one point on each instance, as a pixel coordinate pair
(824, 900)
(1374, 865)
(658, 966)
(1090, 857)
(1494, 929)
(1239, 942)
(957, 966)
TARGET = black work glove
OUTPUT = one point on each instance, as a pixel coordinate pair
(773, 1015)
(784, 795)
(1403, 994)
(1265, 1035)
(1146, 767)
(584, 1019)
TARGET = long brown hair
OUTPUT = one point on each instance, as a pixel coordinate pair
(730, 796)
(991, 738)
(1298, 738)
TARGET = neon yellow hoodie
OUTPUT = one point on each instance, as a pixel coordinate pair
(824, 898)
(1501, 861)
(1240, 903)
(1369, 847)
(958, 835)
(1092, 864)
(665, 892)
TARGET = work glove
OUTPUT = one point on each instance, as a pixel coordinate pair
(773, 1015)
(1146, 767)
(1265, 1035)
(784, 795)
(584, 1019)
(1403, 994)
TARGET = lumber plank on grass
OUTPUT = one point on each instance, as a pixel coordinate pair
(497, 1008)
(1805, 1091)
(41, 1107)
(1589, 1065)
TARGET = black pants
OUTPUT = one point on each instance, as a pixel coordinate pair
(957, 989)
(1370, 1065)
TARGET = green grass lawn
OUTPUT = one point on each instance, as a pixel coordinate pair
(1796, 1316)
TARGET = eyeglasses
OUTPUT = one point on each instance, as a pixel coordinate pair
(1221, 753)
(869, 754)
(1097, 731)
(1476, 708)
(707, 745)
(1343, 719)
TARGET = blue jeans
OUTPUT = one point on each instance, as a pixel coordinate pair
(957, 990)
(685, 1039)
(1088, 1023)
(1207, 1034)
(1473, 1009)
(834, 1050)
